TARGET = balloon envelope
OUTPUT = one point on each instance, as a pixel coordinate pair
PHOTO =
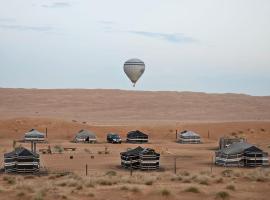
(134, 69)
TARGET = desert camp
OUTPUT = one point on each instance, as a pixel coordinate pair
(241, 154)
(21, 160)
(34, 135)
(84, 136)
(128, 100)
(137, 137)
(140, 158)
(188, 137)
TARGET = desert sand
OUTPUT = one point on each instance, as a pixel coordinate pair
(159, 114)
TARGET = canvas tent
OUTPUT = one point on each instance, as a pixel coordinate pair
(34, 135)
(226, 141)
(21, 160)
(137, 137)
(241, 154)
(85, 137)
(188, 137)
(140, 158)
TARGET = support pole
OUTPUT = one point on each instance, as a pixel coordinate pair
(176, 134)
(32, 146)
(46, 133)
(131, 168)
(86, 170)
(175, 165)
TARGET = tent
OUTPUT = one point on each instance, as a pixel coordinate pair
(34, 135)
(188, 137)
(241, 154)
(85, 137)
(140, 158)
(137, 137)
(21, 160)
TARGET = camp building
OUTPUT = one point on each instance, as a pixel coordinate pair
(84, 136)
(140, 158)
(21, 160)
(241, 154)
(34, 135)
(188, 137)
(137, 137)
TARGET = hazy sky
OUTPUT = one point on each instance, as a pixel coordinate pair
(194, 45)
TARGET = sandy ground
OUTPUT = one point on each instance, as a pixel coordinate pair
(159, 114)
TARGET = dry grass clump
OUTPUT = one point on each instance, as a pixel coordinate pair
(106, 182)
(230, 187)
(20, 194)
(203, 180)
(40, 194)
(222, 195)
(192, 189)
(125, 188)
(11, 180)
(149, 182)
(227, 173)
(184, 173)
(177, 178)
(219, 180)
(135, 190)
(165, 192)
(58, 149)
(111, 173)
(258, 175)
(26, 187)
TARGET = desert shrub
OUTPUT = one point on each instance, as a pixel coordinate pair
(20, 194)
(90, 184)
(204, 182)
(135, 189)
(58, 148)
(262, 129)
(186, 180)
(124, 188)
(222, 195)
(219, 180)
(111, 173)
(105, 182)
(177, 178)
(184, 173)
(64, 197)
(9, 179)
(79, 187)
(91, 195)
(29, 177)
(150, 182)
(230, 187)
(193, 190)
(165, 192)
(40, 195)
(227, 173)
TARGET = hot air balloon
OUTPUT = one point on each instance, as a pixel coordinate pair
(134, 69)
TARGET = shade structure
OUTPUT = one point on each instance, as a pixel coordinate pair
(21, 160)
(226, 141)
(241, 154)
(137, 137)
(85, 136)
(140, 158)
(188, 137)
(34, 135)
(134, 69)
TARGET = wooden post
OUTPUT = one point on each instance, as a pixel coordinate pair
(212, 165)
(131, 168)
(86, 170)
(175, 165)
(46, 133)
(176, 134)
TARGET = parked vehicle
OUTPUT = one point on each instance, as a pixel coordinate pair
(114, 138)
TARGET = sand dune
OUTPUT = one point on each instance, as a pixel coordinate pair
(118, 105)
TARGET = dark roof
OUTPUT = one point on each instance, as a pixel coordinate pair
(21, 151)
(139, 150)
(136, 133)
(34, 134)
(238, 147)
(83, 134)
